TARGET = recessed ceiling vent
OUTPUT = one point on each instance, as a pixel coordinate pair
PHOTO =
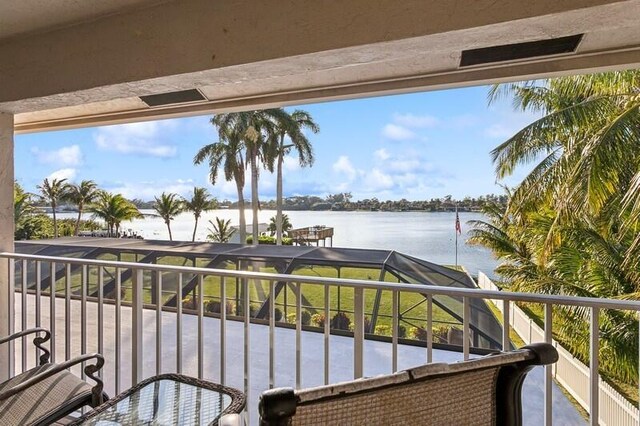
(172, 98)
(512, 52)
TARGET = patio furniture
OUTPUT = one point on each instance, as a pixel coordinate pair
(483, 391)
(48, 392)
(169, 399)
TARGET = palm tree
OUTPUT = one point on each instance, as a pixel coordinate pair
(22, 205)
(221, 231)
(113, 209)
(291, 126)
(52, 192)
(81, 195)
(168, 206)
(256, 129)
(227, 153)
(200, 202)
(285, 227)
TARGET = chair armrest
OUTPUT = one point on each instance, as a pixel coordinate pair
(89, 370)
(37, 341)
(231, 420)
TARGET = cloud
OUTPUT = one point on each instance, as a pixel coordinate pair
(70, 156)
(290, 164)
(397, 132)
(415, 121)
(68, 174)
(344, 166)
(381, 154)
(144, 138)
(147, 190)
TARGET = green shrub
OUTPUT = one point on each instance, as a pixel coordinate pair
(306, 318)
(213, 306)
(269, 240)
(440, 334)
(318, 320)
(383, 330)
(418, 333)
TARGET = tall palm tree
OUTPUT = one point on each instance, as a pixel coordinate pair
(220, 231)
(81, 195)
(256, 129)
(113, 209)
(168, 206)
(200, 202)
(52, 192)
(285, 224)
(291, 126)
(227, 154)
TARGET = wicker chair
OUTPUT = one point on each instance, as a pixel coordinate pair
(483, 391)
(48, 392)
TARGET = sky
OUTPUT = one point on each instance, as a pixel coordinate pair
(416, 146)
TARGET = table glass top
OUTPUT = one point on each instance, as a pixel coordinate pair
(165, 402)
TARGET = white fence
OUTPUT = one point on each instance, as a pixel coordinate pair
(571, 373)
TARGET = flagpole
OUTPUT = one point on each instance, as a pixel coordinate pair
(456, 231)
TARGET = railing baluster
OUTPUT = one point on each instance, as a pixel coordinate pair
(67, 311)
(136, 328)
(506, 340)
(358, 332)
(223, 326)
(394, 331)
(548, 379)
(159, 322)
(24, 312)
(429, 328)
(200, 300)
(118, 326)
(247, 343)
(272, 332)
(298, 335)
(327, 332)
(83, 312)
(100, 313)
(594, 365)
(38, 301)
(179, 325)
(52, 310)
(11, 367)
(466, 315)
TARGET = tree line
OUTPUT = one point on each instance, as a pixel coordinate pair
(571, 226)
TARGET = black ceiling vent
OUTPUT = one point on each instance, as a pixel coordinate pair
(172, 98)
(511, 52)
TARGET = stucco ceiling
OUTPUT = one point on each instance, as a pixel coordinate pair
(18, 17)
(245, 58)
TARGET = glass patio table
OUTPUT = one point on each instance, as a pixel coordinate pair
(167, 399)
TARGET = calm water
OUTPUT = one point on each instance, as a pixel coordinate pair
(429, 236)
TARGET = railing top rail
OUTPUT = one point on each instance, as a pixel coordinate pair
(376, 285)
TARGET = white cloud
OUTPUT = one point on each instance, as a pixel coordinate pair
(381, 154)
(376, 180)
(415, 121)
(68, 174)
(290, 164)
(144, 138)
(344, 166)
(396, 132)
(66, 156)
(150, 189)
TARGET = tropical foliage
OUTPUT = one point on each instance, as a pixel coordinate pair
(168, 206)
(113, 209)
(81, 195)
(220, 231)
(52, 192)
(285, 226)
(200, 202)
(571, 226)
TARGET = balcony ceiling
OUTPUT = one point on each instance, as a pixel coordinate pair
(80, 63)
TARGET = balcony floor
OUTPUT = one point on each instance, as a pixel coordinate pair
(377, 357)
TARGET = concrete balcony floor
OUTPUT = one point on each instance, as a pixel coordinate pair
(377, 355)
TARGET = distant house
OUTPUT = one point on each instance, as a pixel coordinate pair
(235, 238)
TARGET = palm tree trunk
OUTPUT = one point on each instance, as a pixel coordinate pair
(55, 222)
(77, 230)
(242, 220)
(279, 198)
(254, 197)
(195, 227)
(169, 228)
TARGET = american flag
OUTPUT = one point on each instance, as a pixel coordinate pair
(458, 228)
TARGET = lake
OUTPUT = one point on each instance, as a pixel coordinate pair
(426, 235)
